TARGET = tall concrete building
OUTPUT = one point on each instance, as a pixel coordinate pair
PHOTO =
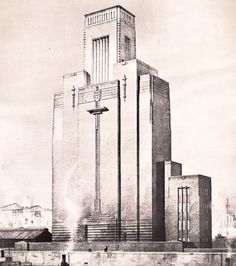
(111, 134)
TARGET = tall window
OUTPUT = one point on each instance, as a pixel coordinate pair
(127, 48)
(183, 213)
(100, 55)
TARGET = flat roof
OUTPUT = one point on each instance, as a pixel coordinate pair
(190, 176)
(101, 10)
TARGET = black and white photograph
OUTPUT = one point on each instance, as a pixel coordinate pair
(117, 133)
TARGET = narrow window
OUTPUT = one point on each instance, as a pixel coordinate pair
(183, 205)
(127, 48)
(100, 55)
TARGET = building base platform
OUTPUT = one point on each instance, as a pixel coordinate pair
(129, 246)
(121, 258)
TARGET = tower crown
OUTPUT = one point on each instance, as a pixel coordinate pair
(109, 14)
(109, 38)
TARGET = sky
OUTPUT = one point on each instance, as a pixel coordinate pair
(192, 43)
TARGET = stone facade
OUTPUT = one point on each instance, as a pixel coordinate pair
(137, 124)
(112, 138)
(121, 258)
(188, 209)
(118, 25)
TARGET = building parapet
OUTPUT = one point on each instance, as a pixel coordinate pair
(109, 14)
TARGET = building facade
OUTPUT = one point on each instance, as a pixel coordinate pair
(111, 134)
(122, 143)
(188, 209)
(16, 216)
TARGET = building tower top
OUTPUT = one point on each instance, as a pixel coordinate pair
(109, 38)
(108, 14)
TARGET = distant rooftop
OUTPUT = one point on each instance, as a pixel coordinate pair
(16, 206)
(22, 233)
(11, 206)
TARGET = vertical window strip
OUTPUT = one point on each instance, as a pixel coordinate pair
(183, 206)
(178, 206)
(100, 55)
(182, 212)
(187, 214)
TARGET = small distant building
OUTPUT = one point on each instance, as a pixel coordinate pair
(226, 223)
(188, 210)
(8, 237)
(15, 216)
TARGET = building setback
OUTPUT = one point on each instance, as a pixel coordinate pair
(111, 134)
(190, 195)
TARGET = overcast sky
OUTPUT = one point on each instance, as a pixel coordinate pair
(193, 45)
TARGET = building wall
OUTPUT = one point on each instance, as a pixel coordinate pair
(161, 192)
(195, 216)
(125, 246)
(141, 126)
(145, 129)
(205, 210)
(26, 217)
(65, 154)
(74, 151)
(145, 69)
(161, 130)
(77, 187)
(119, 23)
(172, 209)
(145, 146)
(98, 30)
(108, 153)
(126, 28)
(129, 137)
(171, 169)
(161, 151)
(124, 258)
(158, 202)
